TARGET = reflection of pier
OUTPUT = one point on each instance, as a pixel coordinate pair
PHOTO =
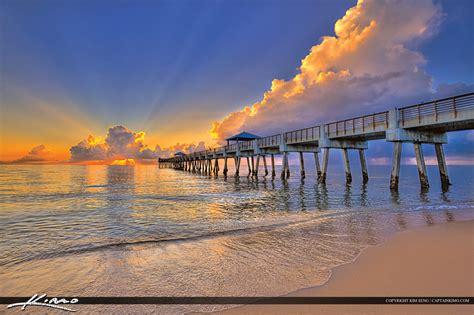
(426, 123)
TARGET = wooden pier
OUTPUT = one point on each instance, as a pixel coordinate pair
(425, 123)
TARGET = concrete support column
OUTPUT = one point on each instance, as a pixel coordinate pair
(255, 172)
(325, 165)
(283, 165)
(347, 165)
(253, 166)
(443, 169)
(363, 166)
(397, 157)
(287, 166)
(249, 166)
(265, 164)
(237, 166)
(225, 166)
(216, 166)
(318, 166)
(302, 171)
(273, 165)
(420, 163)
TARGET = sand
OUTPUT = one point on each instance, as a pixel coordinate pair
(430, 261)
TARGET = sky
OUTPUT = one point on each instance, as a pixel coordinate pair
(95, 81)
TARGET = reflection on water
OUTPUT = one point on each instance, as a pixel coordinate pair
(123, 230)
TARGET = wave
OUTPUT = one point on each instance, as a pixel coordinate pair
(208, 235)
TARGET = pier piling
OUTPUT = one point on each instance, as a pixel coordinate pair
(363, 166)
(253, 165)
(443, 169)
(420, 163)
(216, 167)
(397, 157)
(272, 157)
(265, 164)
(224, 171)
(347, 165)
(256, 166)
(283, 165)
(318, 166)
(249, 166)
(237, 165)
(302, 171)
(325, 165)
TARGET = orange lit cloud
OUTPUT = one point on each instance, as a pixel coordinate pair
(368, 63)
(122, 146)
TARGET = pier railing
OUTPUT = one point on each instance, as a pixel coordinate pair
(302, 135)
(246, 145)
(270, 141)
(435, 111)
(359, 125)
(231, 147)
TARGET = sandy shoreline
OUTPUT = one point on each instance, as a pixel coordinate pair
(430, 261)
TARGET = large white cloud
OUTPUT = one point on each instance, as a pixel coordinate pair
(366, 66)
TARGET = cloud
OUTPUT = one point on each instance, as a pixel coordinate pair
(37, 155)
(370, 63)
(122, 146)
(185, 148)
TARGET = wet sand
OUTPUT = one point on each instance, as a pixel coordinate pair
(431, 261)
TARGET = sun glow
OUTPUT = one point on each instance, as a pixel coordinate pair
(123, 162)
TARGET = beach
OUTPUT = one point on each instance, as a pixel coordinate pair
(428, 261)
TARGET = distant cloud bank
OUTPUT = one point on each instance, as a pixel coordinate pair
(37, 155)
(122, 145)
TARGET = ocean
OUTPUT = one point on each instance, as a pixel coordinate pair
(72, 230)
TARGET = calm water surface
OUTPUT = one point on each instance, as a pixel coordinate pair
(125, 230)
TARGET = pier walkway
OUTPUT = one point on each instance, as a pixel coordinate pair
(425, 123)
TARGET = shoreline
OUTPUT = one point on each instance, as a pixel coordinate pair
(428, 261)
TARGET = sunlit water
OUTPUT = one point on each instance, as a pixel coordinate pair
(146, 231)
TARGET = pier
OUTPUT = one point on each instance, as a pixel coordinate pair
(420, 124)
